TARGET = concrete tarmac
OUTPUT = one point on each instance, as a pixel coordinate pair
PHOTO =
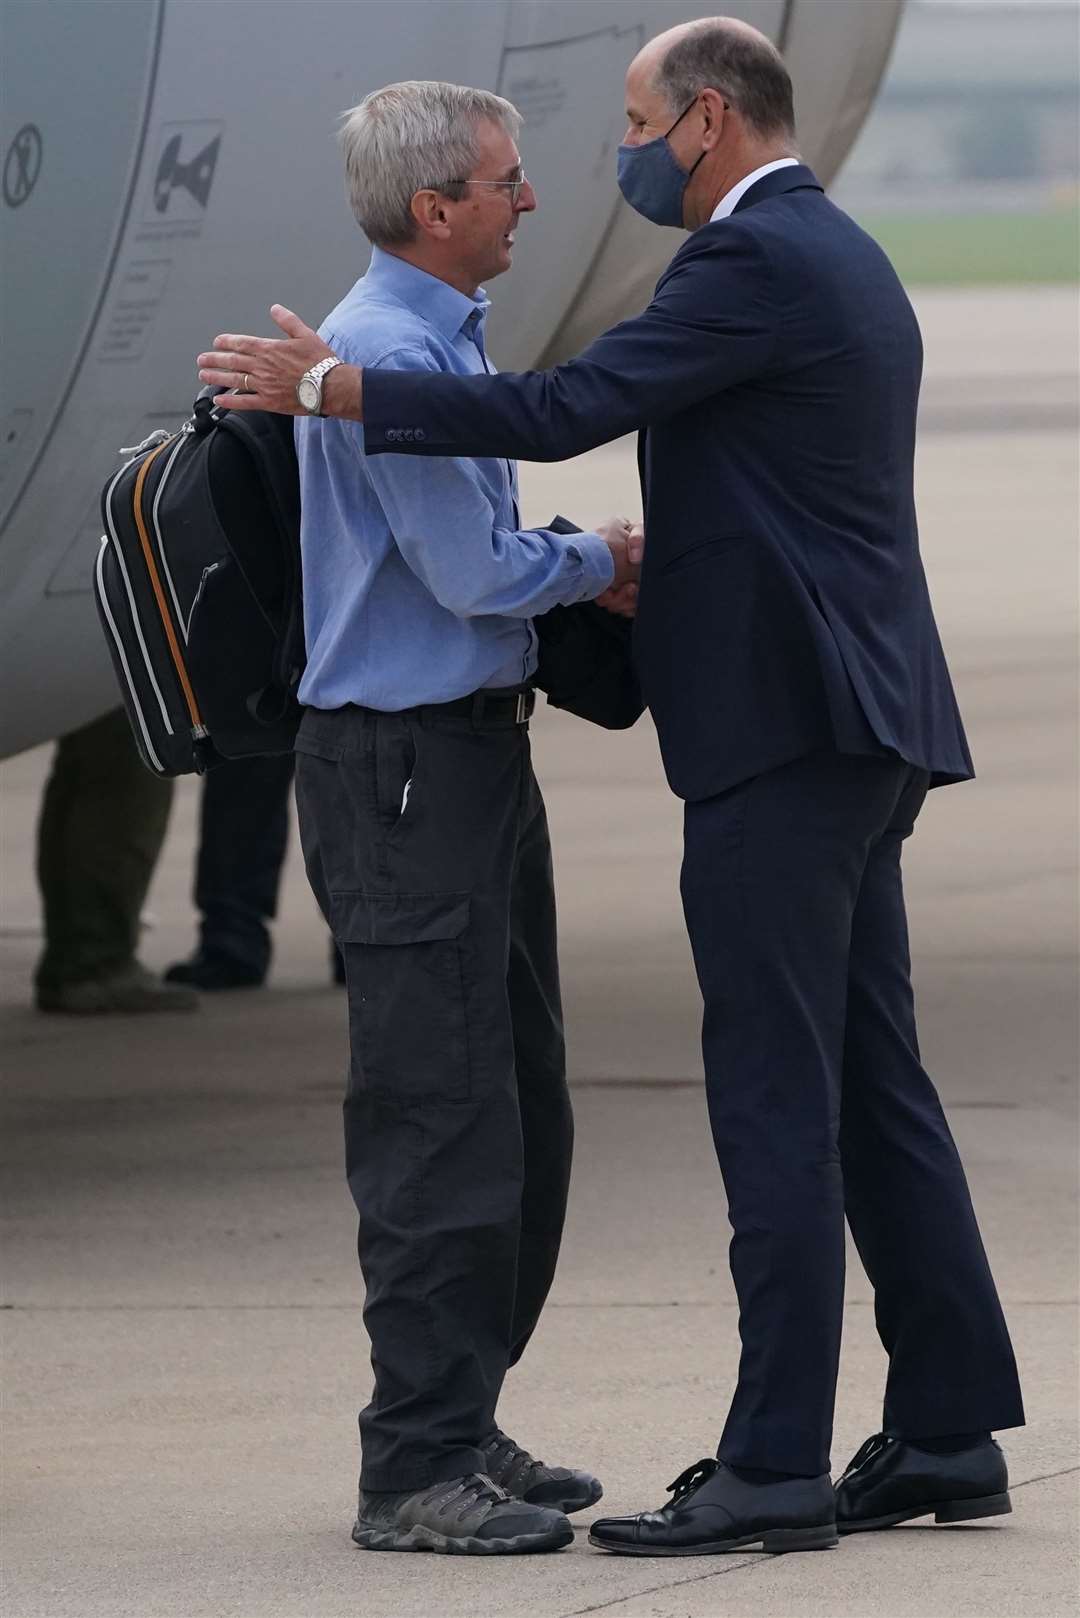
(184, 1353)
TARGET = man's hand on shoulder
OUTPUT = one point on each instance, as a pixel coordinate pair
(261, 373)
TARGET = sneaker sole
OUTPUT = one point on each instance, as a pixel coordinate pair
(943, 1511)
(774, 1541)
(420, 1538)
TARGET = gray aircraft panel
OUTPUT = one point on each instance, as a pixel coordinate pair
(70, 156)
(170, 169)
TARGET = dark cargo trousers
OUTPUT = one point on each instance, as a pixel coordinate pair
(426, 844)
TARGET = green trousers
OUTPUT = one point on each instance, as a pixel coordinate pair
(102, 824)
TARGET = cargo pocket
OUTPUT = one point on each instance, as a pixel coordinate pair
(406, 964)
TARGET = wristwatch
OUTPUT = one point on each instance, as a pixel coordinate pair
(310, 386)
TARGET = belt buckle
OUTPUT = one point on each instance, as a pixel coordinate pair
(521, 712)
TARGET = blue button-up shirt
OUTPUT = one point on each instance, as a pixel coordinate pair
(419, 582)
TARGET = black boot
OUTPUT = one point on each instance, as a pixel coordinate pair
(213, 971)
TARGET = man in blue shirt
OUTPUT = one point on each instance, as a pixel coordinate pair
(419, 584)
(426, 843)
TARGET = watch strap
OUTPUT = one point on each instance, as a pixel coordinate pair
(316, 375)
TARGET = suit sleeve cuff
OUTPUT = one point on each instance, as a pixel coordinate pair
(382, 406)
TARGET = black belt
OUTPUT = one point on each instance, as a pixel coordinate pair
(500, 707)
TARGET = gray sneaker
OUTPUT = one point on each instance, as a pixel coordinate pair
(515, 1470)
(467, 1516)
(131, 990)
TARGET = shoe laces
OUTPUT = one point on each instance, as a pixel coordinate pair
(504, 1453)
(867, 1452)
(473, 1490)
(692, 1479)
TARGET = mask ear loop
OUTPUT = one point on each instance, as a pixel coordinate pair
(682, 114)
(678, 121)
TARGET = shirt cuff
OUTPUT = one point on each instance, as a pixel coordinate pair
(597, 564)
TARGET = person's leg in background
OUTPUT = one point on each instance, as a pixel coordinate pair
(243, 837)
(102, 824)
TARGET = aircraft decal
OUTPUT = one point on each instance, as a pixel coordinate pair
(184, 173)
(196, 177)
(22, 165)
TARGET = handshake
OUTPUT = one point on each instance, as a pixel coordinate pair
(626, 542)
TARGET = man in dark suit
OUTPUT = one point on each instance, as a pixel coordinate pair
(788, 652)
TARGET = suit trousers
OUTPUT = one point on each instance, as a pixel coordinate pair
(820, 1107)
(426, 843)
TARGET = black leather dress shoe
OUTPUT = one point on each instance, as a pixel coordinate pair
(712, 1511)
(890, 1481)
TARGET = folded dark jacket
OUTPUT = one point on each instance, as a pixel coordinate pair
(585, 659)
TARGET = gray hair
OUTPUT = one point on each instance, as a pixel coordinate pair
(723, 54)
(416, 136)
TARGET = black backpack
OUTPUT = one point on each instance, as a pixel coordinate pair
(198, 589)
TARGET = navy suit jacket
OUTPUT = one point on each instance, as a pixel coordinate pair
(775, 380)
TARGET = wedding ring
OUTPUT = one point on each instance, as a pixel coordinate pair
(246, 388)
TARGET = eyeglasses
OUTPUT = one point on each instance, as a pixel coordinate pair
(513, 186)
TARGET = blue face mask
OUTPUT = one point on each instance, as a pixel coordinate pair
(652, 179)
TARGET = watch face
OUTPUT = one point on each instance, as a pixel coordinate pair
(309, 393)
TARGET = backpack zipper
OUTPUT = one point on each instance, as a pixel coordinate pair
(160, 435)
(162, 480)
(198, 729)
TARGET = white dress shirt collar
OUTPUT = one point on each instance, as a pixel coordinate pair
(727, 202)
